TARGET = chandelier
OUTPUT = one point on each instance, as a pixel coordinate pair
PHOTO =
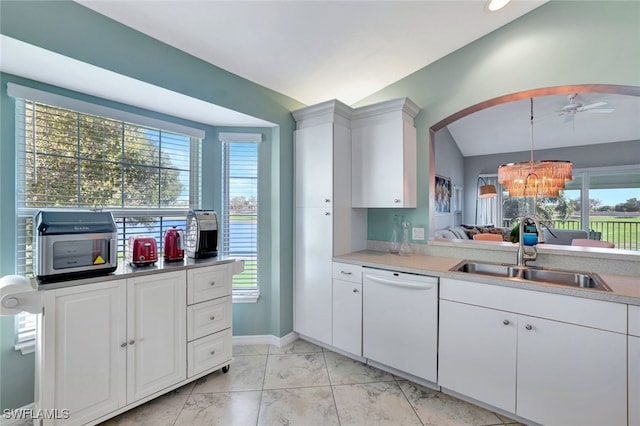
(535, 178)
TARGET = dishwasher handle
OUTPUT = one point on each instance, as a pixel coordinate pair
(400, 283)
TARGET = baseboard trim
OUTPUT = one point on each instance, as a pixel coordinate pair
(265, 339)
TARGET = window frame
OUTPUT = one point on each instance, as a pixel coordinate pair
(25, 323)
(249, 294)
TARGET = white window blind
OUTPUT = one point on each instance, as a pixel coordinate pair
(240, 208)
(25, 326)
(147, 177)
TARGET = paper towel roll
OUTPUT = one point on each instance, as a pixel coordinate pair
(18, 294)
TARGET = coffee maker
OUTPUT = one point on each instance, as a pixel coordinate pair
(202, 234)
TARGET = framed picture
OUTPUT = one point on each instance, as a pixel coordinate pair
(443, 195)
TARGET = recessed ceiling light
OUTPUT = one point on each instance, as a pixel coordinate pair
(493, 5)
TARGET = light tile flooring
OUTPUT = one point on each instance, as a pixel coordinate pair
(303, 384)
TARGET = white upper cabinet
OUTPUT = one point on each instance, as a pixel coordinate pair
(314, 166)
(384, 157)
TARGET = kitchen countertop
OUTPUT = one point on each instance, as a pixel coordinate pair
(125, 270)
(625, 289)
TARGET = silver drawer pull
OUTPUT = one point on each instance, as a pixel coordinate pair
(327, 200)
(506, 322)
(327, 213)
(212, 318)
(345, 273)
(123, 345)
(212, 353)
(355, 290)
(131, 342)
(528, 326)
(212, 283)
(396, 200)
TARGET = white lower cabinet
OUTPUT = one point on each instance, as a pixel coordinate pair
(634, 380)
(109, 344)
(105, 347)
(83, 351)
(549, 371)
(156, 333)
(209, 319)
(347, 308)
(477, 354)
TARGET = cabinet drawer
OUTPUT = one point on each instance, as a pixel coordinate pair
(347, 272)
(207, 283)
(599, 314)
(209, 352)
(634, 320)
(208, 317)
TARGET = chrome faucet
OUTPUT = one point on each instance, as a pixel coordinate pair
(523, 255)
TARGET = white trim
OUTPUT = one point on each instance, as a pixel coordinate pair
(245, 298)
(240, 137)
(29, 93)
(265, 339)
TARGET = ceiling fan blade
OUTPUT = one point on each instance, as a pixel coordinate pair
(601, 110)
(594, 105)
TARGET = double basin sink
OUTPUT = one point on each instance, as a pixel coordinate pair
(533, 274)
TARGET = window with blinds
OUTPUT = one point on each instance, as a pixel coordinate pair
(146, 176)
(240, 208)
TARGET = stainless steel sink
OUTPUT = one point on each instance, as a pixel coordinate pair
(573, 279)
(533, 274)
(492, 269)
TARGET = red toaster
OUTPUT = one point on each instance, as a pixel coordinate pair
(143, 250)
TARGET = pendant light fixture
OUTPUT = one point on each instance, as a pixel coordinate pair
(535, 178)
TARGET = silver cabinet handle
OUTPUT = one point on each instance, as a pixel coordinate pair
(528, 326)
(212, 353)
(355, 290)
(345, 273)
(123, 344)
(131, 342)
(396, 200)
(327, 200)
(212, 283)
(327, 213)
(506, 322)
(212, 318)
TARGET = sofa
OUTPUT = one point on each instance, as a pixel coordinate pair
(562, 236)
(466, 232)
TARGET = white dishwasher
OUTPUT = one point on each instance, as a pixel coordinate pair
(400, 321)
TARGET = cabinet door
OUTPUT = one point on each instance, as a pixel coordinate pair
(347, 316)
(634, 381)
(313, 275)
(84, 354)
(571, 375)
(156, 332)
(384, 165)
(314, 166)
(477, 353)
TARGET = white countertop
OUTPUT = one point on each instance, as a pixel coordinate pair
(625, 289)
(125, 270)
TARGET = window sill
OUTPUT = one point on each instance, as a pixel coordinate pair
(245, 298)
(26, 348)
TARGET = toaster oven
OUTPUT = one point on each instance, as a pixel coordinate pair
(73, 244)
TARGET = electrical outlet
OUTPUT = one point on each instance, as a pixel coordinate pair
(417, 234)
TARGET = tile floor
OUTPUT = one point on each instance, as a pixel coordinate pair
(303, 384)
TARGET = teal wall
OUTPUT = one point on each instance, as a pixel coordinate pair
(559, 43)
(67, 28)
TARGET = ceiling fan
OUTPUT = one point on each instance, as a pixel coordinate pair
(569, 111)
